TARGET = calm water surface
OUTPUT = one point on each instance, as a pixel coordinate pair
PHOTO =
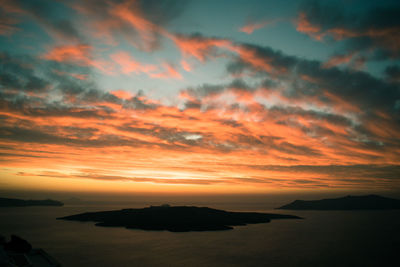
(323, 238)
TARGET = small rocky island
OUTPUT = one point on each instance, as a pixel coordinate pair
(176, 218)
(368, 202)
(13, 202)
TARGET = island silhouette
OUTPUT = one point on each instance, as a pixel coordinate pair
(176, 218)
(367, 202)
(13, 202)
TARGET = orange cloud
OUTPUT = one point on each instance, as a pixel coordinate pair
(197, 46)
(249, 55)
(129, 65)
(125, 19)
(251, 27)
(338, 60)
(305, 26)
(386, 37)
(80, 54)
(186, 66)
(169, 72)
(189, 147)
(122, 94)
(133, 17)
(75, 75)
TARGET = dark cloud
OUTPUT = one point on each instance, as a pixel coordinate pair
(162, 12)
(297, 149)
(266, 144)
(279, 111)
(373, 32)
(275, 58)
(51, 135)
(24, 73)
(16, 155)
(211, 89)
(231, 123)
(9, 18)
(20, 75)
(207, 89)
(137, 103)
(23, 105)
(53, 16)
(350, 99)
(301, 79)
(172, 135)
(392, 73)
(335, 176)
(190, 104)
(358, 87)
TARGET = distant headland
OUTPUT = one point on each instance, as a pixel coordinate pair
(368, 202)
(176, 218)
(13, 202)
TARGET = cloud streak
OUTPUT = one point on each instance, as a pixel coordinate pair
(249, 28)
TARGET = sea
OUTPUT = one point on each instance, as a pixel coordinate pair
(321, 238)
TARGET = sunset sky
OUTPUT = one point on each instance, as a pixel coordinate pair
(199, 96)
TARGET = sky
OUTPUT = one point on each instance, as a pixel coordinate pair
(206, 96)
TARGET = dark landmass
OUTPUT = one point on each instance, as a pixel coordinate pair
(369, 202)
(19, 252)
(17, 244)
(176, 219)
(13, 202)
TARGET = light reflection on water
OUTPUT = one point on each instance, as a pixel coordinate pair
(323, 238)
